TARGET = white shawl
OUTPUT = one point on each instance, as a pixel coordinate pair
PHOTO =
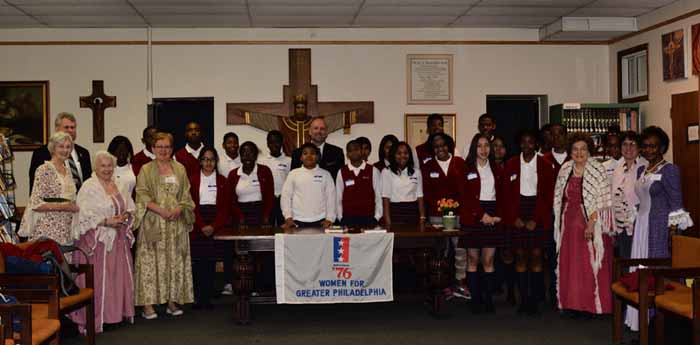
(95, 206)
(597, 197)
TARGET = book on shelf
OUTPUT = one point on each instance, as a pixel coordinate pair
(5, 208)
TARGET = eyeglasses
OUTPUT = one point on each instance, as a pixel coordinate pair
(162, 147)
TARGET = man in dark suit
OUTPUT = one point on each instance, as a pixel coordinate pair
(79, 165)
(332, 157)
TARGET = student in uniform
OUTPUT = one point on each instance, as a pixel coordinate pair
(308, 196)
(365, 147)
(188, 155)
(251, 188)
(146, 155)
(443, 176)
(388, 141)
(358, 189)
(280, 165)
(208, 190)
(480, 217)
(402, 188)
(528, 185)
(422, 154)
(558, 154)
(230, 159)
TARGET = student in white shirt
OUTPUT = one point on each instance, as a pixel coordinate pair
(402, 188)
(280, 165)
(613, 151)
(308, 196)
(230, 159)
(486, 126)
(388, 141)
(124, 176)
(358, 187)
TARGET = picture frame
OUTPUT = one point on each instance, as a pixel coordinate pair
(415, 129)
(24, 113)
(429, 78)
(673, 55)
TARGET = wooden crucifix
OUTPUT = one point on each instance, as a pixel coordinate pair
(299, 104)
(98, 102)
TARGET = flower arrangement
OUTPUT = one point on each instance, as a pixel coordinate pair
(447, 206)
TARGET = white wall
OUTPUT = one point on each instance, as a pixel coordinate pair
(657, 111)
(256, 73)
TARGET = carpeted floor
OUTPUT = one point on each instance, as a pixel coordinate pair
(399, 323)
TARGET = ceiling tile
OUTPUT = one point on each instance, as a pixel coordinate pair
(391, 11)
(10, 11)
(403, 21)
(18, 21)
(162, 10)
(461, 3)
(608, 12)
(288, 10)
(355, 3)
(302, 21)
(502, 21)
(520, 11)
(199, 21)
(631, 3)
(66, 2)
(189, 2)
(93, 21)
(539, 3)
(83, 10)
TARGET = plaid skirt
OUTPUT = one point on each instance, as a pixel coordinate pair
(207, 247)
(485, 236)
(404, 212)
(523, 238)
(252, 212)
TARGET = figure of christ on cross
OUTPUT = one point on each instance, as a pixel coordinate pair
(300, 104)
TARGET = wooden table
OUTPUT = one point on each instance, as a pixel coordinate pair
(424, 244)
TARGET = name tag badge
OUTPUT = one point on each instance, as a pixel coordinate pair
(413, 179)
(318, 178)
(170, 179)
(513, 177)
(349, 183)
(427, 160)
(255, 182)
(655, 177)
(281, 166)
(471, 176)
(434, 175)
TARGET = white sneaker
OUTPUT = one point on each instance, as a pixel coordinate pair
(228, 290)
(176, 312)
(149, 316)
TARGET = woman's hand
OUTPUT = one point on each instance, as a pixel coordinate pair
(589, 231)
(289, 223)
(208, 230)
(326, 224)
(175, 213)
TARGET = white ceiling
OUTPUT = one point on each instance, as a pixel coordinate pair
(311, 13)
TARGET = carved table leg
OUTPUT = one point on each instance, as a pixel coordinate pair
(439, 280)
(243, 282)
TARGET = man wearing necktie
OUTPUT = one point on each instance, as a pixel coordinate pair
(79, 162)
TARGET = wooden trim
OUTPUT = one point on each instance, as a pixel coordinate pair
(295, 42)
(655, 26)
(72, 43)
(620, 54)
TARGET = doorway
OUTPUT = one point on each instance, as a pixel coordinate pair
(172, 114)
(514, 113)
(686, 150)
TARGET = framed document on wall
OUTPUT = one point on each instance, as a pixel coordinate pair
(416, 131)
(429, 78)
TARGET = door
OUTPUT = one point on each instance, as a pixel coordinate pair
(684, 113)
(513, 114)
(172, 114)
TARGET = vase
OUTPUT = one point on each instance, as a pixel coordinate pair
(449, 222)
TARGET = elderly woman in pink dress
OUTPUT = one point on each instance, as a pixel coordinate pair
(104, 233)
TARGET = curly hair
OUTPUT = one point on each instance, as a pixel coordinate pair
(654, 131)
(580, 136)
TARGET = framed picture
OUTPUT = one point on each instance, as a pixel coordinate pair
(632, 74)
(416, 128)
(673, 52)
(24, 113)
(429, 78)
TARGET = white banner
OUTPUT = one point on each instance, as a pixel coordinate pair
(334, 268)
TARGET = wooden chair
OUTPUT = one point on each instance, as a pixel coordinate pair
(84, 299)
(644, 299)
(35, 328)
(684, 301)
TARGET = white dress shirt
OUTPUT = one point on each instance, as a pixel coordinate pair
(402, 188)
(444, 165)
(149, 154)
(612, 164)
(376, 185)
(248, 187)
(125, 179)
(528, 176)
(487, 191)
(560, 157)
(280, 167)
(207, 189)
(227, 164)
(308, 195)
(193, 152)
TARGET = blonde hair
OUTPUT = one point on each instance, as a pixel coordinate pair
(103, 155)
(58, 138)
(62, 116)
(162, 136)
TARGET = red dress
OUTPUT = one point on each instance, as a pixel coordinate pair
(577, 284)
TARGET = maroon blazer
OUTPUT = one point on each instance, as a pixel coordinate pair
(510, 191)
(440, 186)
(223, 217)
(471, 211)
(267, 189)
(190, 162)
(550, 156)
(137, 161)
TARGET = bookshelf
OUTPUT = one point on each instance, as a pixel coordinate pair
(8, 219)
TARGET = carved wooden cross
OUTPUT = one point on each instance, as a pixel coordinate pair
(98, 102)
(300, 84)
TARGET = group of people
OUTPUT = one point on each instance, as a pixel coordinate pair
(551, 202)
